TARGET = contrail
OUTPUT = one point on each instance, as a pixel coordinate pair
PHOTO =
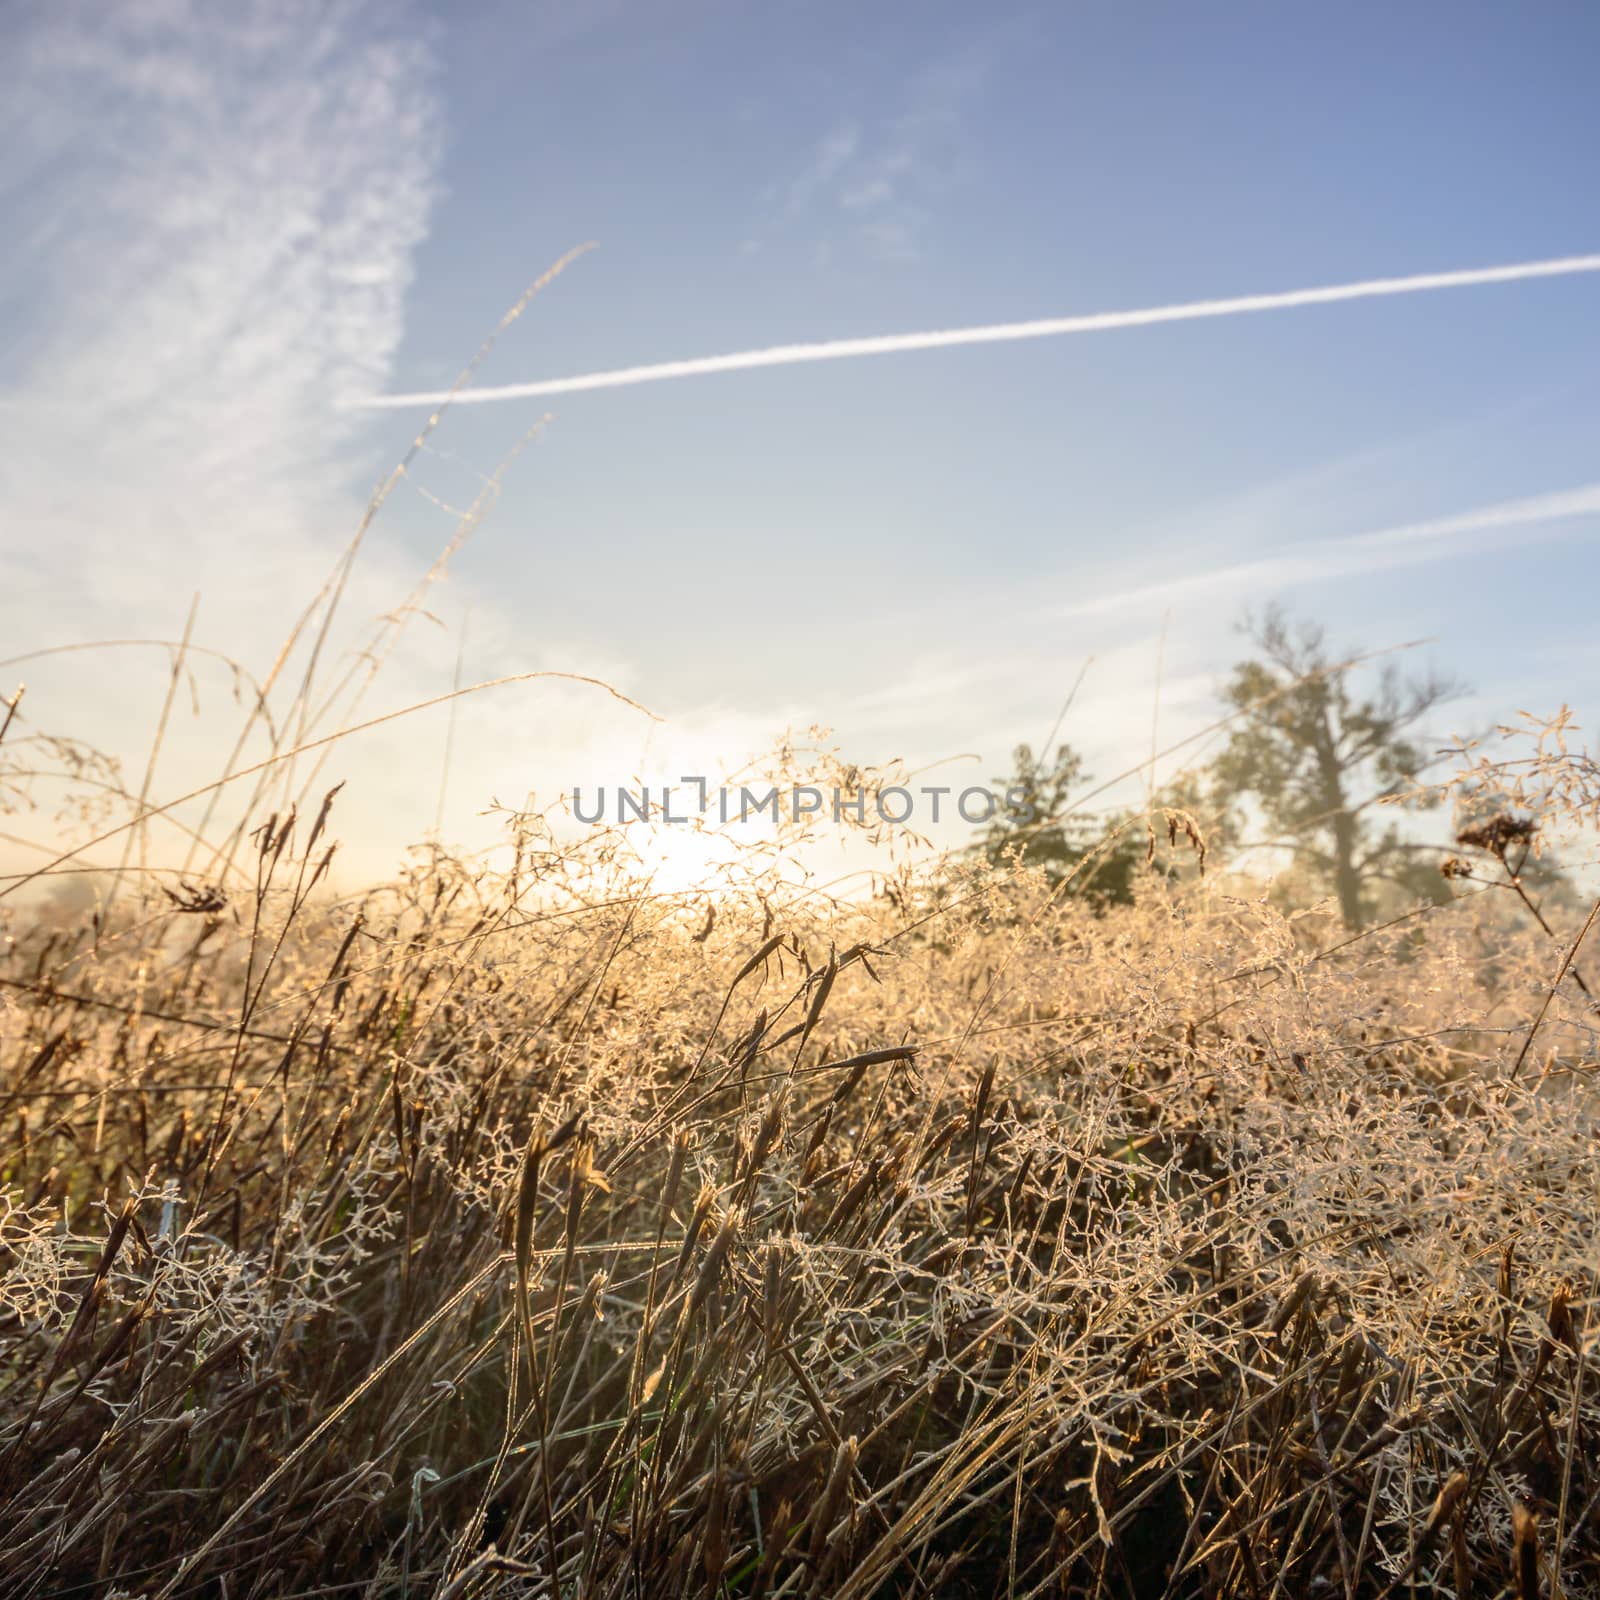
(1322, 559)
(786, 355)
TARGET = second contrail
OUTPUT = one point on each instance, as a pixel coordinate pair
(785, 355)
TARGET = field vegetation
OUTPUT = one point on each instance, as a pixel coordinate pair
(527, 1231)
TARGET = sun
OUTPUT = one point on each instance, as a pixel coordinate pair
(681, 859)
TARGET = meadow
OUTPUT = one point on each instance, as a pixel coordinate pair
(533, 1232)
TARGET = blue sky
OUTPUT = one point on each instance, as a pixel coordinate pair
(227, 223)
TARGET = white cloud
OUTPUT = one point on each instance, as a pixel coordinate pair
(218, 208)
(832, 155)
(226, 202)
(870, 184)
(1328, 559)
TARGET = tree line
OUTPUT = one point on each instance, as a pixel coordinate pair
(1322, 757)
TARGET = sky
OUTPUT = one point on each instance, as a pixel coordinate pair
(227, 229)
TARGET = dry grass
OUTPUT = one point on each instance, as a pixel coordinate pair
(529, 1234)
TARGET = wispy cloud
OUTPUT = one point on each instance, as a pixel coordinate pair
(1326, 559)
(870, 184)
(832, 156)
(1005, 332)
(217, 208)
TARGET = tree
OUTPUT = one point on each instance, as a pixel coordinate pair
(1060, 840)
(1317, 759)
(1038, 829)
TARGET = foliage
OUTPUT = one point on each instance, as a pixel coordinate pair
(1318, 757)
(1103, 858)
